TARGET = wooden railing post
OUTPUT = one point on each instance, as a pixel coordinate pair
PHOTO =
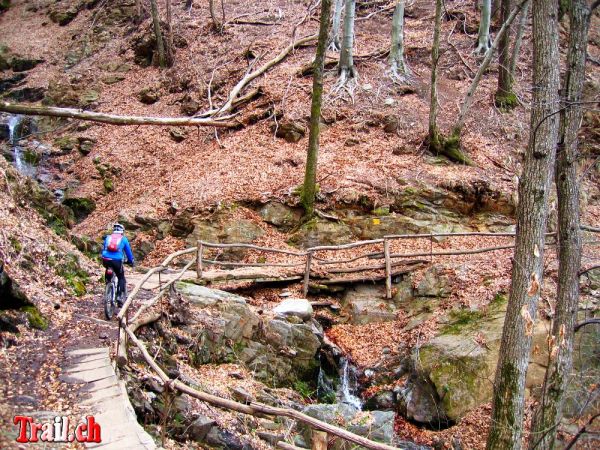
(319, 440)
(388, 269)
(199, 259)
(307, 273)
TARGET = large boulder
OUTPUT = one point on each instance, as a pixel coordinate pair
(461, 360)
(322, 232)
(367, 304)
(295, 307)
(278, 351)
(280, 215)
(376, 425)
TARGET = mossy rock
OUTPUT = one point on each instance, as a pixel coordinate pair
(63, 16)
(65, 143)
(35, 318)
(22, 64)
(88, 97)
(108, 185)
(81, 206)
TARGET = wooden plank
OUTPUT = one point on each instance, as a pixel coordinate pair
(388, 269)
(307, 273)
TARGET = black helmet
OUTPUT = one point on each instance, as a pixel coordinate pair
(118, 228)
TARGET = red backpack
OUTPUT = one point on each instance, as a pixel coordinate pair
(114, 242)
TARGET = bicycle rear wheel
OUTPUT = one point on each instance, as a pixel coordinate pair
(109, 300)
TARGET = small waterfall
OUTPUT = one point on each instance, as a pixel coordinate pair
(348, 384)
(14, 135)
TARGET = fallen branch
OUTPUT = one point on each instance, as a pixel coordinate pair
(249, 77)
(114, 119)
(589, 269)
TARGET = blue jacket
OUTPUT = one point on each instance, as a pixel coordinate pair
(124, 249)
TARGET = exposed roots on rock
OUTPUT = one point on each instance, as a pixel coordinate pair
(482, 49)
(450, 148)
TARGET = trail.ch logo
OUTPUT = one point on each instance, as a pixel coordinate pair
(57, 430)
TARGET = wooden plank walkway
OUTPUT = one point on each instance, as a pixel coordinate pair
(107, 399)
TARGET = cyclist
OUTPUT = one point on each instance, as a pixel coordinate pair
(116, 247)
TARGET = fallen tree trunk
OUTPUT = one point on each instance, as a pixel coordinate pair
(114, 119)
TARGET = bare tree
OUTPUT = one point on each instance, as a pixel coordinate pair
(160, 45)
(399, 70)
(346, 67)
(483, 39)
(309, 188)
(434, 134)
(170, 50)
(549, 410)
(506, 425)
(334, 37)
(518, 40)
(505, 98)
(217, 23)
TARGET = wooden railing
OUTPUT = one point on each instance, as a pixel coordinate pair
(127, 328)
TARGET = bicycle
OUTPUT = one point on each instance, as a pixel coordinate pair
(110, 293)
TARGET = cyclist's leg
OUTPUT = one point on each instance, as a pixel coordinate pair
(119, 270)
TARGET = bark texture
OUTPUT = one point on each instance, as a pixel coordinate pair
(434, 138)
(334, 38)
(518, 39)
(506, 426)
(309, 188)
(398, 67)
(505, 97)
(160, 45)
(549, 411)
(346, 68)
(483, 38)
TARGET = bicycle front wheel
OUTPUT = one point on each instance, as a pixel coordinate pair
(109, 300)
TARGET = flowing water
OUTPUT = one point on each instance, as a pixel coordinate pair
(14, 135)
(343, 391)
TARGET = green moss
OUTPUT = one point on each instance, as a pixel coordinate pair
(108, 185)
(65, 143)
(450, 148)
(74, 275)
(16, 245)
(304, 389)
(506, 101)
(31, 157)
(382, 211)
(35, 318)
(80, 206)
(461, 319)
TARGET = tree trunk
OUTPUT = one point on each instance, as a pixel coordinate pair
(399, 69)
(518, 40)
(113, 119)
(160, 46)
(309, 188)
(506, 426)
(189, 4)
(483, 40)
(334, 38)
(549, 411)
(468, 101)
(138, 11)
(217, 24)
(505, 97)
(170, 48)
(346, 67)
(434, 137)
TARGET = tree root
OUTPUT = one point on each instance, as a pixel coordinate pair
(450, 148)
